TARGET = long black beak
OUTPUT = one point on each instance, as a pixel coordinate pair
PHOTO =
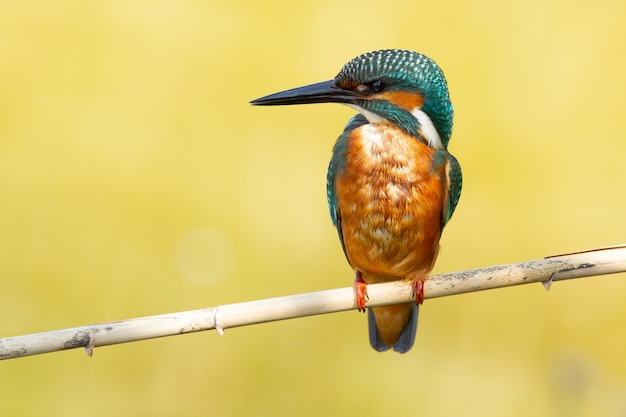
(324, 92)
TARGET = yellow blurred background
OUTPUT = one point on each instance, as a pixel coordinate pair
(135, 179)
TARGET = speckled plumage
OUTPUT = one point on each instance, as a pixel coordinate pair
(392, 185)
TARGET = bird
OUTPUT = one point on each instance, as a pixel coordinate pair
(392, 185)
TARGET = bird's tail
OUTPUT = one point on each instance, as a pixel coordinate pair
(393, 326)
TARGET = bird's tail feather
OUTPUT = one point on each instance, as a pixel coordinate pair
(406, 337)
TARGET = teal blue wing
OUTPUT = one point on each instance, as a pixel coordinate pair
(455, 182)
(337, 163)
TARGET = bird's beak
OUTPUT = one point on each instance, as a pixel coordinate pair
(324, 92)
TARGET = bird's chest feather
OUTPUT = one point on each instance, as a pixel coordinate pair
(390, 196)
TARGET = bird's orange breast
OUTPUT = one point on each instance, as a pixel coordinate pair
(390, 197)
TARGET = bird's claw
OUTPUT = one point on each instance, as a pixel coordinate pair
(360, 291)
(418, 290)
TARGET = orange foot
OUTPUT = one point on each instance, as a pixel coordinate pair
(360, 291)
(418, 290)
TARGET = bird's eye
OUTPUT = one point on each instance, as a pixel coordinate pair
(377, 86)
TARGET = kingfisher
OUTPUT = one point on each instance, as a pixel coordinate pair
(392, 185)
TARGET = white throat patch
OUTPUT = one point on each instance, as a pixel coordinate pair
(371, 117)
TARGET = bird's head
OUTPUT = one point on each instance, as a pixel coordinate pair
(404, 88)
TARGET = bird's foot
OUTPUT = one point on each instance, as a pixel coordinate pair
(360, 291)
(418, 290)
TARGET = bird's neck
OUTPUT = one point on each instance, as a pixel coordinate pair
(416, 123)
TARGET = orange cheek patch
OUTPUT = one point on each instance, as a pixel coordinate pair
(403, 99)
